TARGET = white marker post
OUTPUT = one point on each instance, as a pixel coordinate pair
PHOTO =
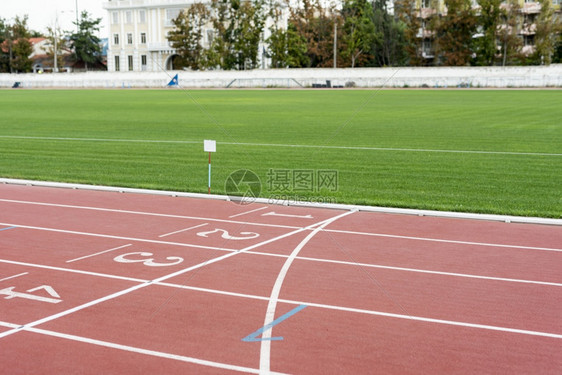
(209, 146)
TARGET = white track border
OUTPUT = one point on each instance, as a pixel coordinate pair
(402, 211)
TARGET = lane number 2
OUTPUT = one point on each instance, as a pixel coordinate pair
(227, 236)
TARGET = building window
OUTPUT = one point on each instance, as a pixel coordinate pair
(143, 62)
(171, 14)
(116, 63)
(142, 16)
(115, 39)
(143, 38)
(210, 36)
(114, 18)
(129, 38)
(130, 60)
(129, 16)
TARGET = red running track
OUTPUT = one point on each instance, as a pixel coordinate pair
(99, 282)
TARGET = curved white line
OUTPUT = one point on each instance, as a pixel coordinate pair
(265, 349)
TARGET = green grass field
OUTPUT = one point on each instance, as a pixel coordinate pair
(517, 134)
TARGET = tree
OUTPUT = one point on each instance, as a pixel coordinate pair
(238, 28)
(407, 15)
(4, 55)
(454, 33)
(510, 43)
(389, 48)
(315, 24)
(86, 44)
(286, 48)
(489, 21)
(548, 28)
(247, 33)
(57, 45)
(18, 46)
(187, 37)
(359, 29)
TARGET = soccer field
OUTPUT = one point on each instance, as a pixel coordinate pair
(488, 151)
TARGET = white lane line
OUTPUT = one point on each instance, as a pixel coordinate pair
(144, 213)
(132, 349)
(127, 238)
(281, 226)
(101, 252)
(454, 274)
(182, 230)
(13, 277)
(9, 325)
(429, 320)
(145, 284)
(265, 348)
(293, 302)
(248, 212)
(285, 145)
(73, 271)
(442, 240)
(372, 312)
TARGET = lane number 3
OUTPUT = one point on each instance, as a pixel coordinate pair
(143, 257)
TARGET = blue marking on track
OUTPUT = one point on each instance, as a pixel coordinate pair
(7, 228)
(253, 337)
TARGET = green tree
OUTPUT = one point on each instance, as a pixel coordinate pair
(18, 46)
(359, 30)
(488, 22)
(4, 55)
(238, 28)
(250, 17)
(84, 42)
(187, 36)
(548, 28)
(286, 48)
(389, 48)
(557, 57)
(454, 32)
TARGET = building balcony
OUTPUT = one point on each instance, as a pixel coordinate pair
(161, 46)
(128, 4)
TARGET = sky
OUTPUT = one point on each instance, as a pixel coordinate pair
(43, 13)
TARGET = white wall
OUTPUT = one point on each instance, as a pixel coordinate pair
(531, 76)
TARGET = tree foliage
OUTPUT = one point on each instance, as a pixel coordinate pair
(454, 33)
(488, 21)
(85, 43)
(187, 37)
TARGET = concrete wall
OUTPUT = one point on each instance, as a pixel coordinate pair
(530, 76)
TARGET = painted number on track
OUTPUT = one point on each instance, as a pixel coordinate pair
(227, 236)
(143, 257)
(10, 293)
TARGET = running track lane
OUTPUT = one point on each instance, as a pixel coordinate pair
(348, 324)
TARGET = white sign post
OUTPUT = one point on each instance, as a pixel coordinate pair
(209, 146)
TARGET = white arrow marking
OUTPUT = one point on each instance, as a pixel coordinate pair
(272, 213)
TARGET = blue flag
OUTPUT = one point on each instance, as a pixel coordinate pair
(174, 81)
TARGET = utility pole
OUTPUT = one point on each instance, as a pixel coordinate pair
(335, 44)
(77, 28)
(56, 63)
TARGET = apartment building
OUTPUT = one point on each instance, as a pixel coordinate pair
(526, 24)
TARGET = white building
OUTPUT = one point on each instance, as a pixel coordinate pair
(138, 32)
